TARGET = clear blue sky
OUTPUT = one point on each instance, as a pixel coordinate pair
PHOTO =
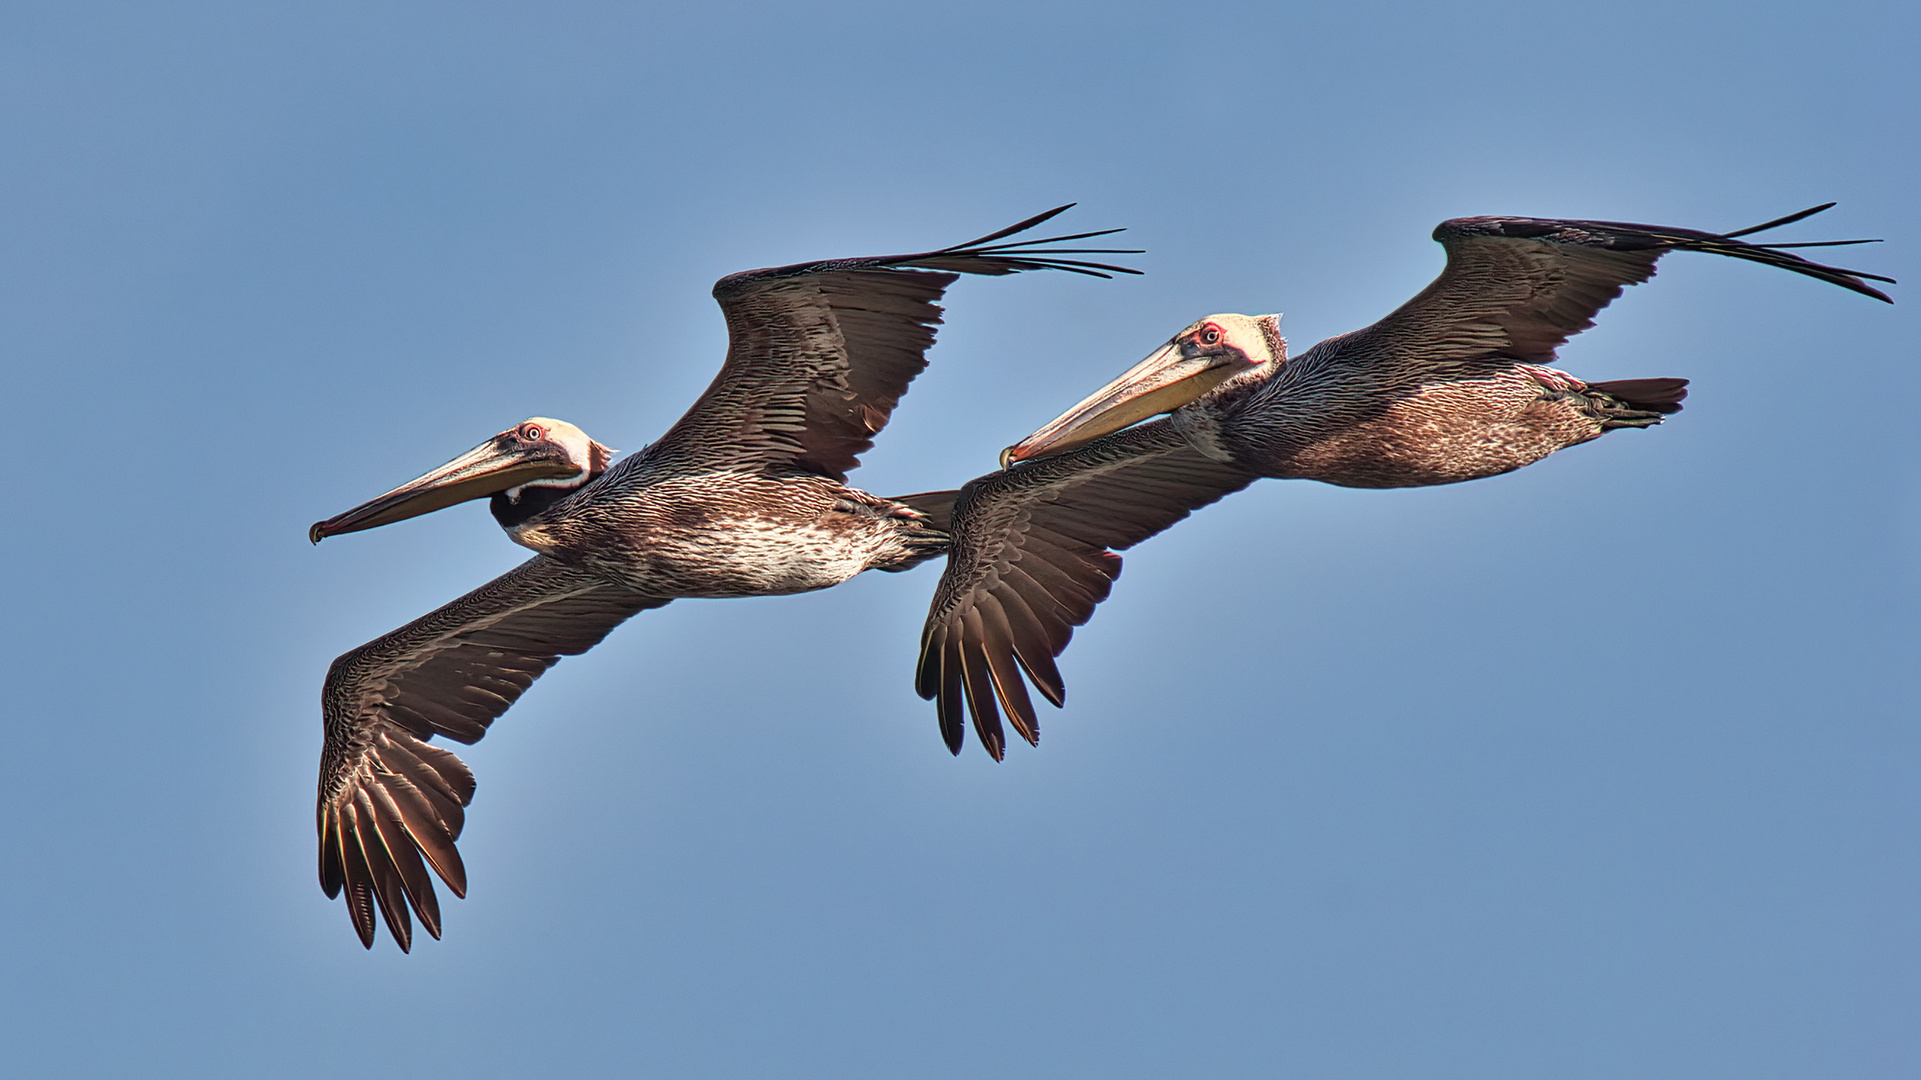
(1606, 768)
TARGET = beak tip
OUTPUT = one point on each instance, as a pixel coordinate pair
(1007, 457)
(318, 532)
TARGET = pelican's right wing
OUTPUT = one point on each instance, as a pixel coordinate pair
(1033, 554)
(387, 795)
(818, 354)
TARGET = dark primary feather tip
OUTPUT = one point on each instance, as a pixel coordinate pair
(1854, 280)
(1780, 221)
(1835, 269)
(1019, 226)
(1091, 269)
(1070, 237)
(1034, 254)
(1822, 243)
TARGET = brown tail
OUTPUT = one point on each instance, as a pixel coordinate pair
(937, 505)
(1648, 395)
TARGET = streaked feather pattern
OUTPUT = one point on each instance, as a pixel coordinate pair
(1033, 554)
(1450, 386)
(819, 354)
(1520, 287)
(387, 796)
(745, 495)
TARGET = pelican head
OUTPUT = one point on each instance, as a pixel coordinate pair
(1197, 360)
(526, 469)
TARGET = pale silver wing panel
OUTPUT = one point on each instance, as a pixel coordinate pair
(391, 803)
(1033, 555)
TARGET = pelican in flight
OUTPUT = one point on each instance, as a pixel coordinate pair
(745, 495)
(1451, 386)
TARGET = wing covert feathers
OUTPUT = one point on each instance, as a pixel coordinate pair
(1520, 287)
(391, 804)
(820, 353)
(1626, 237)
(1031, 560)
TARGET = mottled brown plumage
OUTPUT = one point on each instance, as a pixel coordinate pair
(1451, 386)
(1033, 553)
(744, 496)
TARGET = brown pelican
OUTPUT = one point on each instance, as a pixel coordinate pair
(744, 496)
(1451, 386)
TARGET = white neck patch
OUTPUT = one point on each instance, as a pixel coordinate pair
(572, 440)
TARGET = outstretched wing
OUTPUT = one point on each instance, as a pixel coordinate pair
(819, 354)
(1031, 559)
(1520, 287)
(388, 797)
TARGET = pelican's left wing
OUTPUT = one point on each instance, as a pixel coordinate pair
(1518, 288)
(1033, 554)
(388, 797)
(819, 354)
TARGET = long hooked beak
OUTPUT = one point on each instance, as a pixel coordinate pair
(1165, 381)
(496, 465)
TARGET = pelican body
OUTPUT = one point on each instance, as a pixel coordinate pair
(1454, 385)
(656, 527)
(746, 495)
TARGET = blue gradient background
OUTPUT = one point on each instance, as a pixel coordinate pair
(1606, 768)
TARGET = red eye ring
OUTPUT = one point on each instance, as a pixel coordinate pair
(531, 432)
(1210, 334)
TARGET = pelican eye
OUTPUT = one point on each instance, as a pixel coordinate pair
(531, 432)
(1210, 334)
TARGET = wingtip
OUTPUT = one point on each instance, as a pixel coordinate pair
(1790, 219)
(364, 926)
(1046, 215)
(1017, 227)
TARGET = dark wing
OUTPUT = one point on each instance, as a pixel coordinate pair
(819, 354)
(1031, 559)
(389, 797)
(1520, 287)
